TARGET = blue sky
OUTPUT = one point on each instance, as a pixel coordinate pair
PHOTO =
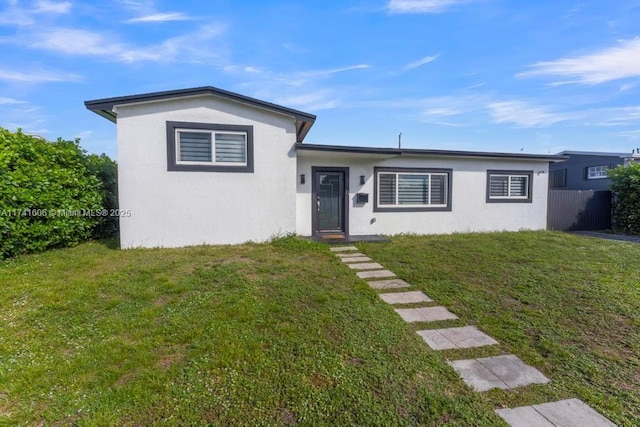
(487, 75)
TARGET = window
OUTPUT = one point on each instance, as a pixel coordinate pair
(412, 189)
(558, 178)
(209, 147)
(509, 186)
(597, 172)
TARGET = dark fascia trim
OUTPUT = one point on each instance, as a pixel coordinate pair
(314, 210)
(447, 208)
(510, 172)
(421, 152)
(173, 166)
(104, 107)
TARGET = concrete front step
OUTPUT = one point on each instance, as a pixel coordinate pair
(504, 372)
(425, 314)
(449, 338)
(389, 284)
(404, 297)
(566, 413)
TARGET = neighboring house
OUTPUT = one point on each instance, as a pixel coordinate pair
(207, 166)
(585, 170)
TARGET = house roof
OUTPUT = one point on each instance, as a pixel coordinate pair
(593, 153)
(427, 152)
(104, 107)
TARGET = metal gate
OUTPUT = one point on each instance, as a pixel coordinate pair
(579, 210)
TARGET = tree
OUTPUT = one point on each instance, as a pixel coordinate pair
(626, 189)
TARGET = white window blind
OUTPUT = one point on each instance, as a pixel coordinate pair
(502, 186)
(200, 146)
(412, 189)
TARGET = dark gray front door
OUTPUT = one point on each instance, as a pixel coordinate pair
(329, 194)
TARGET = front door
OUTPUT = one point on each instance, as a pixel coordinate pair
(329, 196)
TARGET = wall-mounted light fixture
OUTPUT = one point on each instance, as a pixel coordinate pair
(361, 179)
(302, 180)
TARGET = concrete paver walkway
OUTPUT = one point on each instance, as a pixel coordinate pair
(504, 372)
(566, 413)
(405, 297)
(425, 314)
(465, 337)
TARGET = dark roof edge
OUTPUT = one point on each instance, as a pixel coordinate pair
(594, 153)
(414, 151)
(108, 103)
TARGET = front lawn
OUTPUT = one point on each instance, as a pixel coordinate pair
(284, 333)
(568, 305)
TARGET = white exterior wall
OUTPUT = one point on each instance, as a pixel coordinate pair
(470, 211)
(171, 209)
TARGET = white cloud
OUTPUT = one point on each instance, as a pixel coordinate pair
(160, 17)
(10, 101)
(420, 62)
(45, 6)
(523, 114)
(422, 6)
(613, 63)
(328, 72)
(37, 76)
(73, 41)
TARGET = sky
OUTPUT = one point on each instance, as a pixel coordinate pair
(482, 75)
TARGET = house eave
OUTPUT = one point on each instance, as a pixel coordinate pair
(424, 152)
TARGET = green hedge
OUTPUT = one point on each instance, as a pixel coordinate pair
(49, 195)
(626, 188)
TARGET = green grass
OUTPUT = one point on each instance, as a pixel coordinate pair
(568, 305)
(284, 333)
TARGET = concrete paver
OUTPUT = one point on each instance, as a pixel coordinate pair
(389, 284)
(572, 412)
(513, 371)
(524, 416)
(566, 413)
(343, 248)
(404, 297)
(366, 266)
(349, 259)
(509, 370)
(477, 376)
(464, 337)
(374, 274)
(425, 314)
(348, 254)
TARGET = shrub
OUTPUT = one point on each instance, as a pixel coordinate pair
(47, 194)
(106, 170)
(626, 188)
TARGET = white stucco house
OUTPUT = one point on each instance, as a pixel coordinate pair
(208, 166)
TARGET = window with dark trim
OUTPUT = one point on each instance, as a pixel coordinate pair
(505, 186)
(596, 172)
(209, 147)
(558, 178)
(412, 189)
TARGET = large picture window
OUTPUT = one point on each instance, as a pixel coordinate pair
(209, 147)
(509, 186)
(412, 189)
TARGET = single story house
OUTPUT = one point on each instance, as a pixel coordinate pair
(585, 170)
(208, 166)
